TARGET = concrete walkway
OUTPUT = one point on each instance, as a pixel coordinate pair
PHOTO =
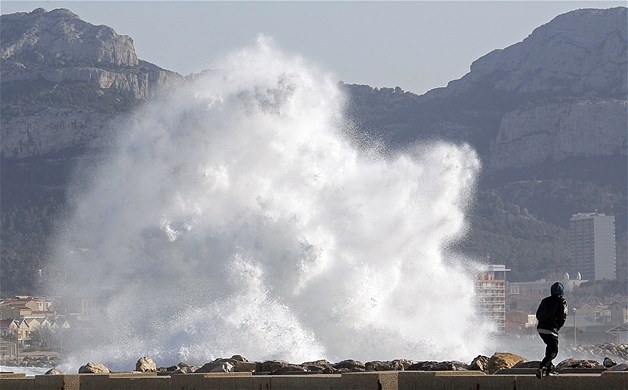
(383, 380)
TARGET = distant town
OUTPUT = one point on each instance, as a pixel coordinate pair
(596, 316)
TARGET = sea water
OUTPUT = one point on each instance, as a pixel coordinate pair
(242, 214)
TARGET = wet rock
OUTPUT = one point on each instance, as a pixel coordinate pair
(577, 363)
(350, 365)
(239, 358)
(608, 362)
(479, 363)
(54, 371)
(289, 369)
(451, 365)
(501, 360)
(180, 368)
(145, 364)
(245, 367)
(528, 364)
(218, 365)
(270, 365)
(93, 368)
(320, 366)
(376, 365)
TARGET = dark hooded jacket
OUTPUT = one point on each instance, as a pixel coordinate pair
(552, 311)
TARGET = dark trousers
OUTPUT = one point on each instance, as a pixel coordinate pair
(551, 350)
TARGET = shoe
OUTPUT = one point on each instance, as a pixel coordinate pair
(551, 373)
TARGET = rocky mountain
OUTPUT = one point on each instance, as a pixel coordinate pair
(550, 107)
(547, 116)
(560, 93)
(63, 78)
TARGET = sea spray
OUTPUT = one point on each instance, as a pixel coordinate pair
(235, 215)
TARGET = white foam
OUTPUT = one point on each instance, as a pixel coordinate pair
(236, 216)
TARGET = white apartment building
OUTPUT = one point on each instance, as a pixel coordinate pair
(490, 288)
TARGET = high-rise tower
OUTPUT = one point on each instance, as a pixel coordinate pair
(592, 237)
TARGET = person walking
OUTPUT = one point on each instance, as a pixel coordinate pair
(551, 316)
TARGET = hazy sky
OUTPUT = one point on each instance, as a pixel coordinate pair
(416, 45)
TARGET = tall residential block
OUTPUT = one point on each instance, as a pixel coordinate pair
(490, 289)
(592, 237)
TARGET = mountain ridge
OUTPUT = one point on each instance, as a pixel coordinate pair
(532, 128)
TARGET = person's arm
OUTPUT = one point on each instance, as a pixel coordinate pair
(562, 317)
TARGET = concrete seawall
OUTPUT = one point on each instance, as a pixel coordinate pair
(382, 380)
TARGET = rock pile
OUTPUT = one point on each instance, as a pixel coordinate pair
(237, 363)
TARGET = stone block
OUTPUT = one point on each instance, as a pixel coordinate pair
(90, 381)
(49, 382)
(13, 375)
(614, 380)
(305, 382)
(17, 383)
(261, 382)
(382, 380)
(138, 383)
(415, 380)
(189, 382)
(236, 382)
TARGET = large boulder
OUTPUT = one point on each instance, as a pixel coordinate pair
(270, 365)
(289, 369)
(218, 365)
(530, 364)
(145, 364)
(54, 371)
(479, 363)
(350, 365)
(321, 366)
(608, 362)
(501, 360)
(245, 367)
(578, 363)
(394, 365)
(93, 368)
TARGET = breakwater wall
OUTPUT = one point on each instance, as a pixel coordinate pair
(384, 380)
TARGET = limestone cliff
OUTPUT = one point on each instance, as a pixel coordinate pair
(569, 77)
(557, 95)
(557, 131)
(64, 79)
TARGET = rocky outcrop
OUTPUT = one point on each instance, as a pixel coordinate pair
(528, 137)
(53, 131)
(64, 80)
(60, 37)
(580, 53)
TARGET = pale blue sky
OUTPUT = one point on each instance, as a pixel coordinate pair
(416, 45)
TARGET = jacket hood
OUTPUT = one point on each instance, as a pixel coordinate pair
(557, 289)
